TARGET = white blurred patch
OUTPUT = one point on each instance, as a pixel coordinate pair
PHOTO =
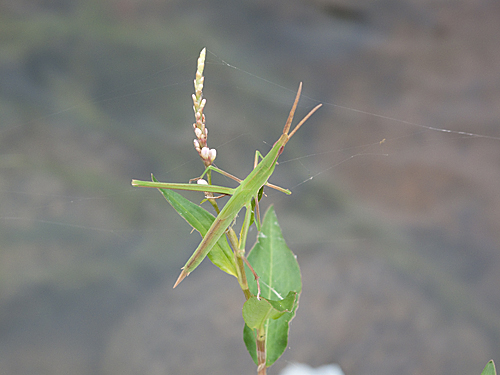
(302, 369)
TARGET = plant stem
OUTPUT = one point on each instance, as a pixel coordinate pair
(261, 351)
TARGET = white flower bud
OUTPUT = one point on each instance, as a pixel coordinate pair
(201, 181)
(196, 144)
(198, 132)
(212, 154)
(205, 153)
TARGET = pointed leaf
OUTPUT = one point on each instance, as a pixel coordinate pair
(273, 261)
(279, 274)
(489, 369)
(200, 219)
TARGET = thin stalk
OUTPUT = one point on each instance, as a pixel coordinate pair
(240, 265)
(261, 351)
(245, 227)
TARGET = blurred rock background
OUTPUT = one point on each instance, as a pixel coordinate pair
(398, 241)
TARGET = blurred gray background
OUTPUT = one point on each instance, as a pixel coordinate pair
(398, 241)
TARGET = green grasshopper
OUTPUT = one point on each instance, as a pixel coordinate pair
(241, 196)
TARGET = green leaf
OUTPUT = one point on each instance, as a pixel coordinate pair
(256, 312)
(200, 219)
(489, 369)
(279, 275)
